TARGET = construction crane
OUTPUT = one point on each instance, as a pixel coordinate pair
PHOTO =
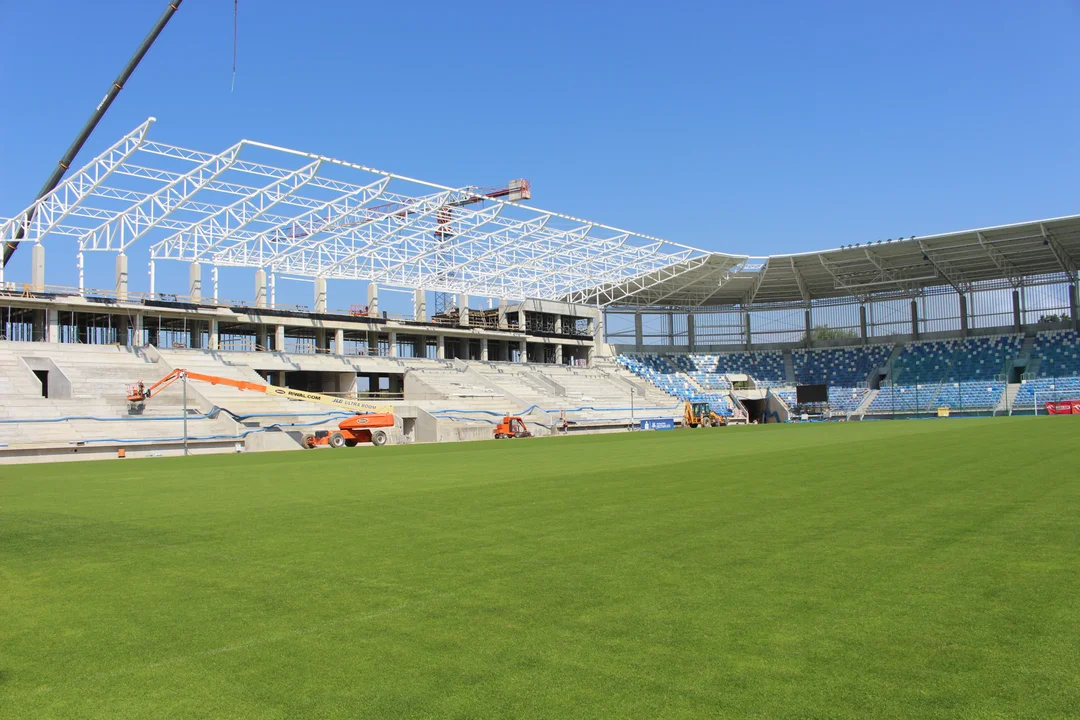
(367, 425)
(99, 112)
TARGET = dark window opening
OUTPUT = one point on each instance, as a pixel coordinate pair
(43, 376)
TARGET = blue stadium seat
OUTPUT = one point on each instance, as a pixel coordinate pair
(838, 367)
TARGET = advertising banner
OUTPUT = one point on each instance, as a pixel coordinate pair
(658, 424)
(345, 403)
(1067, 407)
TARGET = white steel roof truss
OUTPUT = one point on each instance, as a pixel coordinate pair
(610, 294)
(118, 234)
(251, 248)
(67, 197)
(341, 235)
(481, 244)
(387, 230)
(203, 235)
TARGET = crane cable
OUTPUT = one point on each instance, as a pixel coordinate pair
(236, 10)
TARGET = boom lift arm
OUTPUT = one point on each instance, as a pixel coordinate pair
(138, 393)
(371, 423)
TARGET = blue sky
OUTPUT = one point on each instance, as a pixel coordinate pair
(749, 128)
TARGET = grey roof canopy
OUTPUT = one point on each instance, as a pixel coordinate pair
(957, 259)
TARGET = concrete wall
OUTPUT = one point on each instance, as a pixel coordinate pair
(59, 383)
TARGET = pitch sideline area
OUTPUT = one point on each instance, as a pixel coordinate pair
(892, 569)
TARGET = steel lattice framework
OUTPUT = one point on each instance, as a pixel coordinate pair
(259, 206)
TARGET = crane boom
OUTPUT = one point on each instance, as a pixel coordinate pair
(139, 393)
(95, 117)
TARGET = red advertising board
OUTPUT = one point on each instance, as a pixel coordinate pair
(1067, 407)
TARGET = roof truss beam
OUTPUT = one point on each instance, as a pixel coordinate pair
(800, 282)
(219, 227)
(1001, 261)
(1063, 258)
(755, 287)
(120, 233)
(953, 276)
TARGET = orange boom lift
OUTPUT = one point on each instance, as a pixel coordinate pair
(511, 426)
(368, 425)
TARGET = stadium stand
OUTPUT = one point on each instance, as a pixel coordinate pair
(844, 367)
(966, 374)
(664, 373)
(77, 409)
(1056, 355)
(765, 367)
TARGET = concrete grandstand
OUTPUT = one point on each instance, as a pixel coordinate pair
(587, 327)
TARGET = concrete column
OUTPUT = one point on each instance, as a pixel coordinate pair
(523, 350)
(1017, 316)
(137, 331)
(1073, 306)
(320, 295)
(440, 352)
(121, 323)
(320, 339)
(502, 314)
(373, 299)
(638, 334)
(121, 277)
(484, 349)
(52, 321)
(39, 324)
(862, 323)
(214, 334)
(597, 336)
(463, 310)
(558, 324)
(339, 342)
(261, 338)
(393, 343)
(914, 319)
(420, 305)
(195, 331)
(963, 315)
(558, 354)
(521, 320)
(260, 288)
(279, 338)
(691, 331)
(809, 321)
(195, 282)
(37, 268)
(746, 331)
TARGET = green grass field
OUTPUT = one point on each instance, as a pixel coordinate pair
(893, 569)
